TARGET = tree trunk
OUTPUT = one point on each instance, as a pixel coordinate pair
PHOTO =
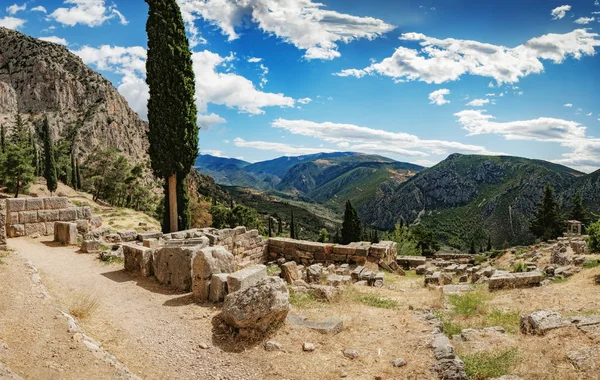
(173, 202)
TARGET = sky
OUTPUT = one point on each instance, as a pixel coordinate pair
(411, 80)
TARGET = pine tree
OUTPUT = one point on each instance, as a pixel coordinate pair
(73, 173)
(173, 132)
(578, 211)
(279, 226)
(323, 236)
(292, 227)
(2, 139)
(336, 237)
(351, 225)
(472, 250)
(270, 225)
(78, 174)
(49, 162)
(547, 223)
(489, 244)
(16, 167)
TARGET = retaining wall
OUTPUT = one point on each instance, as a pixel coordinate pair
(2, 224)
(28, 216)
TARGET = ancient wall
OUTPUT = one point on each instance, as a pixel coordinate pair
(2, 224)
(28, 216)
(308, 252)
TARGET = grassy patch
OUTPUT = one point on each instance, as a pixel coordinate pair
(485, 365)
(112, 260)
(510, 320)
(273, 270)
(376, 301)
(2, 255)
(468, 304)
(519, 266)
(480, 258)
(84, 305)
(303, 300)
(497, 254)
(591, 264)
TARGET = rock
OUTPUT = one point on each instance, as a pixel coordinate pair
(560, 256)
(409, 262)
(150, 243)
(141, 236)
(399, 362)
(542, 321)
(442, 348)
(450, 369)
(218, 287)
(586, 359)
(289, 271)
(327, 326)
(308, 347)
(350, 353)
(65, 233)
(313, 273)
(272, 345)
(90, 246)
(128, 235)
(138, 259)
(203, 346)
(476, 334)
(259, 307)
(246, 277)
(326, 293)
(173, 266)
(501, 280)
(206, 262)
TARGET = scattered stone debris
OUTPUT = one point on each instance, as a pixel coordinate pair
(308, 347)
(327, 326)
(272, 345)
(398, 362)
(351, 353)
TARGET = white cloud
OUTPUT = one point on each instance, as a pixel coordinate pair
(560, 12)
(212, 86)
(304, 100)
(39, 8)
(478, 102)
(490, 94)
(585, 154)
(86, 12)
(54, 39)
(254, 59)
(13, 9)
(568, 105)
(301, 23)
(212, 152)
(12, 22)
(209, 121)
(437, 97)
(286, 149)
(589, 114)
(369, 140)
(444, 60)
(584, 20)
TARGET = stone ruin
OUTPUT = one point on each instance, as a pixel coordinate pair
(2, 225)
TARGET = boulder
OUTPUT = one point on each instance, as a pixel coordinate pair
(540, 322)
(246, 277)
(326, 293)
(90, 246)
(257, 308)
(289, 271)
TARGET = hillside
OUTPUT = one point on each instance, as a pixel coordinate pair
(468, 197)
(39, 78)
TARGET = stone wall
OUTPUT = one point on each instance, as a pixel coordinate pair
(2, 224)
(28, 216)
(308, 252)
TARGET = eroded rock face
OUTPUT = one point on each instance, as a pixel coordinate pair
(259, 307)
(40, 78)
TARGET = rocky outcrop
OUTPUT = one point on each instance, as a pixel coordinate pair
(40, 78)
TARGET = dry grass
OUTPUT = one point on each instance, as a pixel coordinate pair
(84, 305)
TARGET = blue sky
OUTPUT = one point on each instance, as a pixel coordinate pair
(411, 80)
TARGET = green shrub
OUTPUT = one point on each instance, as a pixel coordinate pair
(593, 231)
(376, 301)
(468, 304)
(591, 264)
(519, 266)
(480, 258)
(511, 320)
(485, 365)
(497, 254)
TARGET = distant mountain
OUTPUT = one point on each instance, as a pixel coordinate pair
(468, 197)
(327, 178)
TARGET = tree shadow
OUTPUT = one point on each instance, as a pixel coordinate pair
(148, 283)
(55, 244)
(184, 300)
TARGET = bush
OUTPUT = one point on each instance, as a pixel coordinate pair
(594, 237)
(468, 304)
(519, 267)
(485, 365)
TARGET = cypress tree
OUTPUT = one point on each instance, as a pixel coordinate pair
(292, 227)
(3, 139)
(489, 244)
(578, 212)
(351, 225)
(270, 225)
(472, 250)
(49, 162)
(78, 174)
(173, 132)
(73, 173)
(16, 164)
(547, 223)
(279, 226)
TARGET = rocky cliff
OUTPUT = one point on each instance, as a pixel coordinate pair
(40, 78)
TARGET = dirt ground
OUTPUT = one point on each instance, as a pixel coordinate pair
(158, 333)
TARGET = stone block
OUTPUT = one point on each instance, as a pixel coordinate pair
(15, 205)
(150, 243)
(50, 228)
(68, 214)
(82, 226)
(12, 217)
(35, 228)
(212, 260)
(34, 204)
(84, 213)
(173, 266)
(96, 222)
(128, 235)
(65, 233)
(90, 246)
(28, 217)
(246, 277)
(409, 262)
(327, 326)
(56, 203)
(218, 287)
(48, 216)
(421, 269)
(239, 230)
(289, 272)
(501, 280)
(113, 238)
(141, 236)
(138, 259)
(540, 322)
(16, 230)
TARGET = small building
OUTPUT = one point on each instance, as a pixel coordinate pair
(574, 227)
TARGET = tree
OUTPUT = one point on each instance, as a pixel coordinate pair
(2, 139)
(16, 167)
(173, 132)
(350, 225)
(323, 236)
(405, 243)
(293, 227)
(489, 244)
(78, 174)
(279, 226)
(336, 237)
(425, 240)
(547, 223)
(578, 211)
(270, 226)
(472, 250)
(593, 232)
(49, 163)
(73, 173)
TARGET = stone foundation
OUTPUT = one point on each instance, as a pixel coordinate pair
(3, 225)
(29, 216)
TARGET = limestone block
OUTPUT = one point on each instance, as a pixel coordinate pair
(207, 262)
(84, 213)
(65, 233)
(502, 280)
(218, 287)
(173, 266)
(12, 217)
(239, 230)
(141, 236)
(128, 235)
(56, 203)
(246, 277)
(150, 243)
(328, 326)
(16, 230)
(96, 222)
(35, 228)
(409, 262)
(48, 216)
(138, 259)
(34, 204)
(15, 205)
(68, 214)
(542, 321)
(28, 217)
(289, 271)
(49, 228)
(82, 226)
(113, 238)
(90, 246)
